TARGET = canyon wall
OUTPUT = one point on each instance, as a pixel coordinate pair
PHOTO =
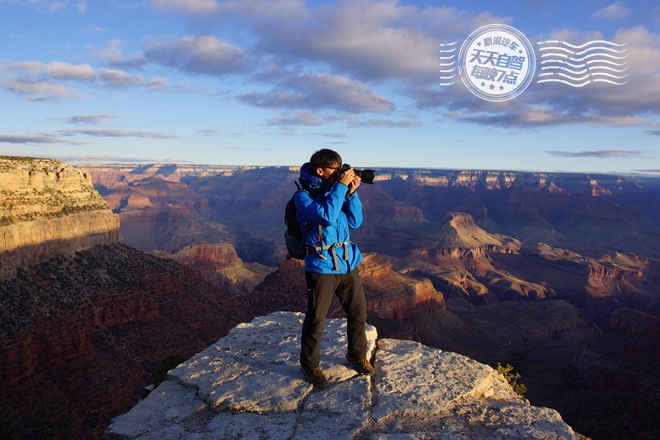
(526, 268)
(48, 209)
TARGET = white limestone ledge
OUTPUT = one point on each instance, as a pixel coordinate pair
(249, 386)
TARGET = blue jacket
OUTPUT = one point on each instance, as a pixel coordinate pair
(336, 214)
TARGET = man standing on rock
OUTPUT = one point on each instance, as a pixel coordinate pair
(330, 202)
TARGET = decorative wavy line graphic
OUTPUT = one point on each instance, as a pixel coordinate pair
(577, 66)
(447, 63)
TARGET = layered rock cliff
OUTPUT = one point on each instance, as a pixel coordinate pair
(248, 385)
(48, 209)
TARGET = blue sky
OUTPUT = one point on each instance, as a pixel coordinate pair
(255, 82)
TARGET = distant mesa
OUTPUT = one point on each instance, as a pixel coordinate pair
(249, 384)
(458, 231)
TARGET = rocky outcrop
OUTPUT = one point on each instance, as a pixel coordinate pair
(48, 209)
(391, 295)
(459, 262)
(628, 321)
(220, 265)
(249, 384)
(458, 231)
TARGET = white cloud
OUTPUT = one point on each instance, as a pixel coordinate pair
(188, 6)
(305, 118)
(61, 70)
(43, 138)
(614, 11)
(367, 39)
(35, 90)
(117, 78)
(199, 55)
(86, 119)
(39, 81)
(320, 91)
(380, 122)
(600, 154)
(106, 132)
(28, 67)
(112, 53)
(56, 6)
(157, 84)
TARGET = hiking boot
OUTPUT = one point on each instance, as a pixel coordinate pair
(315, 376)
(363, 366)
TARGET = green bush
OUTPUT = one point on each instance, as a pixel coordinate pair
(512, 379)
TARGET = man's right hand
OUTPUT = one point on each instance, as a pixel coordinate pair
(346, 177)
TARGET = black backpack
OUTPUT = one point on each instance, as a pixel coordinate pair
(294, 237)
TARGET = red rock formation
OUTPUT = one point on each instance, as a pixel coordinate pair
(391, 295)
(220, 265)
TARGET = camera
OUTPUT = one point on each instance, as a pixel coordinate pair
(367, 176)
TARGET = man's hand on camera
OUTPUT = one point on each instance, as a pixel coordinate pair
(353, 186)
(346, 177)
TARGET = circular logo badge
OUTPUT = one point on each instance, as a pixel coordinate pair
(496, 62)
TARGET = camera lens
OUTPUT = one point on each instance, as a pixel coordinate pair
(367, 176)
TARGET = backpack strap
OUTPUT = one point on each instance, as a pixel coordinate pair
(308, 225)
(333, 250)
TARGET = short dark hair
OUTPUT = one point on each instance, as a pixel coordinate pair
(324, 158)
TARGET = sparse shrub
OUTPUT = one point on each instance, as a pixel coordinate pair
(166, 365)
(512, 379)
(160, 376)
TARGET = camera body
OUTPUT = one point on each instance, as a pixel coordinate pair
(367, 176)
